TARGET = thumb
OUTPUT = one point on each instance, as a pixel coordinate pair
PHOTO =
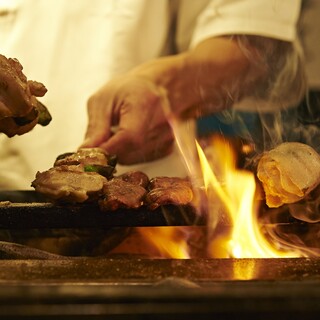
(98, 129)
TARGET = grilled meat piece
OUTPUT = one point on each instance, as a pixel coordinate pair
(87, 175)
(106, 171)
(87, 156)
(288, 173)
(136, 177)
(69, 183)
(93, 160)
(168, 190)
(118, 193)
(20, 111)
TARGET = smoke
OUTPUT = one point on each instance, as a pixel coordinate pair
(280, 106)
(284, 110)
(277, 74)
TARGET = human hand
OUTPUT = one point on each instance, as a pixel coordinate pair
(186, 85)
(126, 118)
(20, 111)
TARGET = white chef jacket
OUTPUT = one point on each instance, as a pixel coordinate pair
(309, 30)
(74, 47)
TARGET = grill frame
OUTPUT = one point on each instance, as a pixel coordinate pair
(162, 289)
(27, 209)
(135, 288)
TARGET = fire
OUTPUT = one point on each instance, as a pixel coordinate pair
(230, 196)
(169, 241)
(235, 189)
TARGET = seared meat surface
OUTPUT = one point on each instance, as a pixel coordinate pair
(118, 193)
(168, 190)
(76, 177)
(136, 177)
(288, 173)
(86, 156)
(20, 110)
(92, 160)
(69, 183)
(87, 175)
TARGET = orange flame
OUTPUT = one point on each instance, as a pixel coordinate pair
(169, 241)
(236, 190)
(231, 196)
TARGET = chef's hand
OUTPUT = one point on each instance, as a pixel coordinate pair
(126, 118)
(20, 111)
(204, 80)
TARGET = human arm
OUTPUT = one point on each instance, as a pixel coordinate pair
(199, 81)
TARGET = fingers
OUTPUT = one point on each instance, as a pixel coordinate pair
(128, 155)
(139, 146)
(135, 106)
(98, 129)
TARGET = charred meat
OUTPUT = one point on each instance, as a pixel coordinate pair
(136, 177)
(76, 177)
(92, 159)
(168, 190)
(118, 193)
(288, 173)
(87, 156)
(20, 110)
(88, 176)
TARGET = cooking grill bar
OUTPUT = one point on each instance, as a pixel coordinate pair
(132, 270)
(160, 289)
(47, 215)
(48, 286)
(28, 210)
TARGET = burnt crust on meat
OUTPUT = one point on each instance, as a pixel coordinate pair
(86, 156)
(20, 109)
(136, 177)
(92, 159)
(118, 193)
(168, 190)
(87, 176)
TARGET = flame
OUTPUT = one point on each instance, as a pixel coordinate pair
(231, 193)
(236, 191)
(169, 241)
(230, 197)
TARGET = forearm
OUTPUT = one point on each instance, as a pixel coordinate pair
(221, 71)
(204, 79)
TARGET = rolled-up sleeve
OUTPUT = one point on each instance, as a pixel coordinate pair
(269, 18)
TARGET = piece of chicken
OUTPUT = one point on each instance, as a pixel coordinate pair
(20, 110)
(288, 173)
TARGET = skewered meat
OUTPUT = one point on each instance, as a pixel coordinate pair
(168, 190)
(69, 183)
(288, 173)
(20, 111)
(118, 193)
